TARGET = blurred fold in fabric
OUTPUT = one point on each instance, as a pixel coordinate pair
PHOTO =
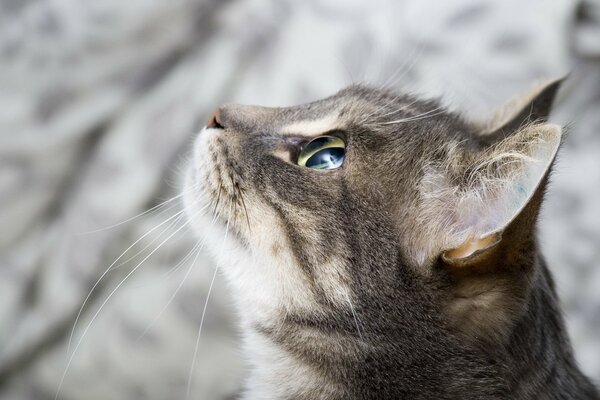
(99, 102)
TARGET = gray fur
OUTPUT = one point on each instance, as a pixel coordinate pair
(411, 327)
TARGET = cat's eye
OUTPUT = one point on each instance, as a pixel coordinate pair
(324, 152)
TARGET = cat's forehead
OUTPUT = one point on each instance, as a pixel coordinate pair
(357, 109)
(352, 99)
(354, 104)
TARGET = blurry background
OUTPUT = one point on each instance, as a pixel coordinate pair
(99, 102)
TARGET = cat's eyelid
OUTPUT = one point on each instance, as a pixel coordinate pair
(301, 138)
(339, 133)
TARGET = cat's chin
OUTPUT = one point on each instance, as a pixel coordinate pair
(216, 234)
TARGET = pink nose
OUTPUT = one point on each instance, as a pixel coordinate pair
(214, 121)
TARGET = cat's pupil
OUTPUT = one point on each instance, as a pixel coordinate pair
(326, 159)
(325, 152)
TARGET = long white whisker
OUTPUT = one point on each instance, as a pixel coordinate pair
(212, 282)
(414, 56)
(198, 248)
(124, 262)
(110, 267)
(109, 297)
(387, 82)
(395, 110)
(174, 269)
(189, 270)
(427, 114)
(150, 210)
(171, 270)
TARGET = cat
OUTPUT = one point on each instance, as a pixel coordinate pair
(380, 246)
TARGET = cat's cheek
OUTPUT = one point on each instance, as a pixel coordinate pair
(262, 272)
(262, 288)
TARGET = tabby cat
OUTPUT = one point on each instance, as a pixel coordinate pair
(380, 246)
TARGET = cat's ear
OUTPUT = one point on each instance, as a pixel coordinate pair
(483, 204)
(473, 197)
(529, 107)
(494, 187)
(471, 200)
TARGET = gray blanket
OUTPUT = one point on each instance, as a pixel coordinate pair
(99, 102)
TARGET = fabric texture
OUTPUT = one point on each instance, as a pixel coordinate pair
(100, 101)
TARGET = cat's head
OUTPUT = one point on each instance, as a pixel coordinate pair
(374, 206)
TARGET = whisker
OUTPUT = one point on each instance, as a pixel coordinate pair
(199, 246)
(177, 267)
(108, 298)
(387, 82)
(173, 223)
(414, 56)
(395, 110)
(155, 208)
(110, 267)
(212, 282)
(427, 114)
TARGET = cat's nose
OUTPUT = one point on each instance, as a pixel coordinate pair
(239, 117)
(214, 122)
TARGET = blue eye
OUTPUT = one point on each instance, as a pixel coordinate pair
(325, 152)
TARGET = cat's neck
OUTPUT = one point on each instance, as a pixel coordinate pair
(276, 373)
(537, 362)
(539, 355)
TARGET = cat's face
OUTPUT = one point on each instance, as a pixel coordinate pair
(350, 200)
(292, 230)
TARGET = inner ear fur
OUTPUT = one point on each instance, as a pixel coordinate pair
(495, 186)
(509, 250)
